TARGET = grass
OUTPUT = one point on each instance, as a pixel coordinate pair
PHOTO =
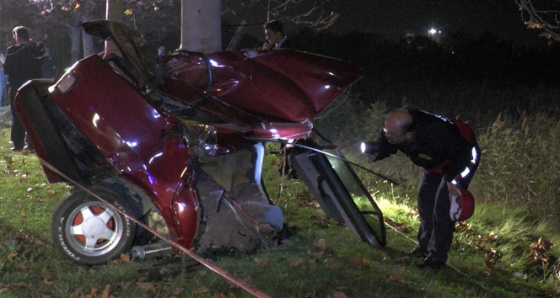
(493, 253)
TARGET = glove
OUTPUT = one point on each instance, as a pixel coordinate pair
(371, 149)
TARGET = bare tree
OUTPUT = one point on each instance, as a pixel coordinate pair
(67, 14)
(64, 16)
(541, 15)
(309, 13)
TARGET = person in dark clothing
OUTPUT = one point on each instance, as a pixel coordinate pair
(23, 63)
(446, 148)
(274, 35)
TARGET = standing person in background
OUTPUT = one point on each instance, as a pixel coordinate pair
(3, 84)
(274, 35)
(447, 150)
(5, 113)
(23, 63)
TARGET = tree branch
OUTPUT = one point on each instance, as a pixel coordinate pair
(545, 18)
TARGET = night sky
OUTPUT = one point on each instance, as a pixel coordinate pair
(393, 19)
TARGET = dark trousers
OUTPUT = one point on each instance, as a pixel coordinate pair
(17, 134)
(435, 234)
(436, 227)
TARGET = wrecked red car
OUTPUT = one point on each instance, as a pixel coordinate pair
(175, 145)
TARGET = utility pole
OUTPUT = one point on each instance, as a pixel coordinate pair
(113, 12)
(201, 25)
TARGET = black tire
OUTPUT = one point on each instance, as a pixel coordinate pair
(91, 232)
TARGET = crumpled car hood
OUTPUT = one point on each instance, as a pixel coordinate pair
(280, 84)
(250, 89)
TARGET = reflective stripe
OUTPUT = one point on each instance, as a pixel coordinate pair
(468, 169)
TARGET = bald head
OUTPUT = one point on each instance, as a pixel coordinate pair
(398, 126)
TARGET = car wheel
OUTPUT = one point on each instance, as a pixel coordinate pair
(89, 231)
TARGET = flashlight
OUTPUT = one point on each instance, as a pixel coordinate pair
(369, 147)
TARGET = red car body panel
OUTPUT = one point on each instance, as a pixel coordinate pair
(137, 146)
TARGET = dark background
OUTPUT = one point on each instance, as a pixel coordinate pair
(481, 42)
(395, 18)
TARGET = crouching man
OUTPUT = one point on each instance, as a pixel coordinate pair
(446, 148)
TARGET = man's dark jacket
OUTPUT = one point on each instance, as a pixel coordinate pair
(439, 146)
(23, 63)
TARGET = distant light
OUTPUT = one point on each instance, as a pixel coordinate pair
(432, 31)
